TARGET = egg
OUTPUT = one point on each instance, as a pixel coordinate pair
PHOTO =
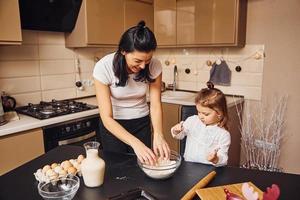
(80, 158)
(66, 164)
(57, 169)
(45, 169)
(77, 166)
(62, 173)
(72, 161)
(72, 170)
(54, 165)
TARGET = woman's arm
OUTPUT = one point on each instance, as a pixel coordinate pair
(143, 153)
(160, 146)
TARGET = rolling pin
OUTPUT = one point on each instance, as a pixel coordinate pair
(202, 183)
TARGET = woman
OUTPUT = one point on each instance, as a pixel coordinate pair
(121, 81)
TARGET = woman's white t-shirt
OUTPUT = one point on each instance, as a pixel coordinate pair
(128, 102)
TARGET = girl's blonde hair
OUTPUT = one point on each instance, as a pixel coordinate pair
(214, 98)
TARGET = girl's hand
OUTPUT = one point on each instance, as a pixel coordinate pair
(144, 154)
(213, 157)
(178, 128)
(161, 147)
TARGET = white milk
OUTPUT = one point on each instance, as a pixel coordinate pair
(92, 169)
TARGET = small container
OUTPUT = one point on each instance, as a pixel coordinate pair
(92, 167)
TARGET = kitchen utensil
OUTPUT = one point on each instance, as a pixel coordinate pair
(134, 194)
(8, 102)
(59, 189)
(202, 183)
(217, 193)
(164, 169)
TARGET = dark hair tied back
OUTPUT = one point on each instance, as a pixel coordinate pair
(141, 24)
(210, 85)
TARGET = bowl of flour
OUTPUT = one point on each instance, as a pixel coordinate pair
(163, 168)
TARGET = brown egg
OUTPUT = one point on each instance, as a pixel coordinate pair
(66, 164)
(62, 173)
(45, 169)
(80, 158)
(72, 170)
(54, 165)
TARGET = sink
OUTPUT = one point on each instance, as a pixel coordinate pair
(178, 95)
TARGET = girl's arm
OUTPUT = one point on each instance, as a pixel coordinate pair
(178, 131)
(143, 153)
(160, 146)
(222, 153)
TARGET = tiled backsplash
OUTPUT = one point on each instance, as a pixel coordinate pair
(247, 82)
(43, 69)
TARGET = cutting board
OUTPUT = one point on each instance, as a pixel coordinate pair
(217, 193)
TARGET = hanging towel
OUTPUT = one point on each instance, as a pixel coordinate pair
(220, 74)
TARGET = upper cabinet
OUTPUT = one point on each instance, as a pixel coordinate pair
(137, 10)
(200, 23)
(102, 22)
(10, 22)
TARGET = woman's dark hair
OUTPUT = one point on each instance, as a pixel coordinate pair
(214, 98)
(137, 38)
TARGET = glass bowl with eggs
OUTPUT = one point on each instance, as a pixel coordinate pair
(63, 188)
(163, 169)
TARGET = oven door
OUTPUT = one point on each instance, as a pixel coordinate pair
(80, 140)
(74, 132)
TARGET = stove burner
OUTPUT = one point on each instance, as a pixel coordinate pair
(54, 108)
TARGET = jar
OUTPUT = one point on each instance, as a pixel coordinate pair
(92, 167)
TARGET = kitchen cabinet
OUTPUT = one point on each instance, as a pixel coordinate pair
(99, 23)
(201, 23)
(165, 22)
(10, 22)
(19, 148)
(137, 10)
(102, 22)
(171, 116)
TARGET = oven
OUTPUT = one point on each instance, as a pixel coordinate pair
(75, 132)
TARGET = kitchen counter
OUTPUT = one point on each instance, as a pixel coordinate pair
(123, 174)
(27, 123)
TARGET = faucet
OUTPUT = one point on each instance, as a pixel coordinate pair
(175, 77)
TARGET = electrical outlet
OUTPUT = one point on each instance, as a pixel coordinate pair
(264, 144)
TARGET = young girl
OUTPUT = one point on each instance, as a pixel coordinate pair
(207, 138)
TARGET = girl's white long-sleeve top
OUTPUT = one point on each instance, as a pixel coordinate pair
(202, 140)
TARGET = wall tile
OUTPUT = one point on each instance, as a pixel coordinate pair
(51, 82)
(30, 97)
(58, 94)
(29, 37)
(12, 69)
(51, 38)
(51, 52)
(20, 85)
(51, 67)
(23, 52)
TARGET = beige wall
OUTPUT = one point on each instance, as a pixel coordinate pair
(276, 23)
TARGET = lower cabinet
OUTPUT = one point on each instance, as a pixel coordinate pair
(17, 149)
(173, 114)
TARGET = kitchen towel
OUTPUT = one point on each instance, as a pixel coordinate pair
(220, 74)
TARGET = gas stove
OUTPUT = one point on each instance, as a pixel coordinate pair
(54, 108)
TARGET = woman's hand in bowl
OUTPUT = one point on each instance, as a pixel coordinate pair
(144, 154)
(161, 147)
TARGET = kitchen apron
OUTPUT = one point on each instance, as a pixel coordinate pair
(140, 128)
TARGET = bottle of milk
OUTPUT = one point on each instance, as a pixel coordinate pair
(92, 167)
